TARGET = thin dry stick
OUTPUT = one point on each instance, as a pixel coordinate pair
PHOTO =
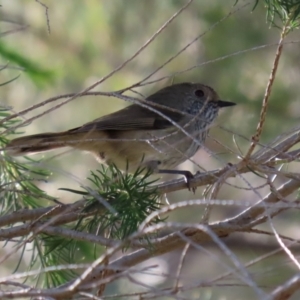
(214, 61)
(210, 233)
(262, 118)
(213, 195)
(283, 246)
(229, 273)
(54, 229)
(121, 66)
(46, 14)
(277, 236)
(134, 237)
(183, 49)
(286, 290)
(180, 264)
(36, 228)
(216, 258)
(263, 156)
(55, 98)
(2, 34)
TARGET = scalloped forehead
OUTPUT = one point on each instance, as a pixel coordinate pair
(189, 86)
(180, 91)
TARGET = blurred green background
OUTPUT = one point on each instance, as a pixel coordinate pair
(89, 39)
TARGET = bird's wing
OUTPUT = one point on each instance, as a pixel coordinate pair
(133, 117)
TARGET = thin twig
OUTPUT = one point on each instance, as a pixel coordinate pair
(263, 112)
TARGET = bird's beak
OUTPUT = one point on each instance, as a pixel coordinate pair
(222, 103)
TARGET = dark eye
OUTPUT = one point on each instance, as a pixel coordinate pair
(199, 93)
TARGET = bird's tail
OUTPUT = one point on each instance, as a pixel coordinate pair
(40, 142)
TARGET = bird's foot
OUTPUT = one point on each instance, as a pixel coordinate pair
(187, 175)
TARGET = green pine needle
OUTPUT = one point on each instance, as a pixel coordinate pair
(121, 201)
(37, 74)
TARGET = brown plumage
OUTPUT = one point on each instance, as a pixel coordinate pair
(138, 136)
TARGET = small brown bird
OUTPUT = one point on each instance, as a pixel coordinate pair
(136, 136)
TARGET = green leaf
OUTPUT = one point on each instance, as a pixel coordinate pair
(38, 75)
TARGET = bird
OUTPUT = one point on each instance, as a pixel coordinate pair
(159, 137)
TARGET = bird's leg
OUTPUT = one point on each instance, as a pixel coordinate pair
(187, 174)
(154, 166)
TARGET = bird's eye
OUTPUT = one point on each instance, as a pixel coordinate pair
(199, 93)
